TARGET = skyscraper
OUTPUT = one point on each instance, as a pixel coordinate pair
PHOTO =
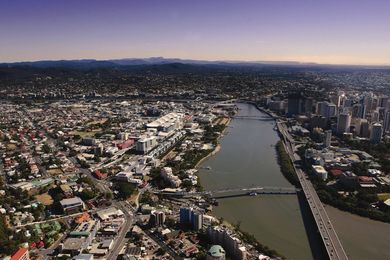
(343, 123)
(386, 122)
(191, 218)
(376, 133)
(295, 105)
(328, 138)
(196, 220)
(326, 109)
(375, 116)
(336, 99)
(383, 101)
(157, 218)
(309, 105)
(364, 130)
(185, 216)
(359, 111)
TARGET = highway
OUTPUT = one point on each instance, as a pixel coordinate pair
(328, 234)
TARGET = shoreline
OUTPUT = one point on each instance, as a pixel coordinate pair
(332, 202)
(216, 148)
(246, 236)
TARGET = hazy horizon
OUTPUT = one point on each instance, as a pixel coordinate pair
(351, 32)
(282, 62)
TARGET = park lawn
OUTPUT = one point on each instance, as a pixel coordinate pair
(45, 199)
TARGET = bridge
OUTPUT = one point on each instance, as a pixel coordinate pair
(263, 118)
(328, 234)
(240, 191)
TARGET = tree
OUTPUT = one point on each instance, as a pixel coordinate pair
(46, 148)
(87, 194)
(125, 189)
(108, 195)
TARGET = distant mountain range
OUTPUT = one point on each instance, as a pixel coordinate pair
(92, 63)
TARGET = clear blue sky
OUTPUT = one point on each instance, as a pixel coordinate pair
(324, 31)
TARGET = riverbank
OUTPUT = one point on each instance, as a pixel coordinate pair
(217, 148)
(245, 236)
(286, 166)
(251, 234)
(212, 153)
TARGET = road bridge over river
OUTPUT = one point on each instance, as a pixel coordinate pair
(328, 234)
(236, 191)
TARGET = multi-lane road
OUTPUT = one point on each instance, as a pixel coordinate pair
(328, 234)
(120, 238)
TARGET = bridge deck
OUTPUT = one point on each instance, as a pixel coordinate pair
(328, 234)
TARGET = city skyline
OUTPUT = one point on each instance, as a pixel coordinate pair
(331, 32)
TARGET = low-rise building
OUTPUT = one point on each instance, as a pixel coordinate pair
(320, 172)
(72, 205)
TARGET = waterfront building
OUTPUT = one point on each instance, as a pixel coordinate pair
(295, 105)
(320, 172)
(196, 220)
(185, 216)
(191, 218)
(168, 175)
(216, 252)
(228, 240)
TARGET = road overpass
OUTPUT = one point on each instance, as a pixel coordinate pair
(328, 234)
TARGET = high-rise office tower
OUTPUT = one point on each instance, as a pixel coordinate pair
(376, 133)
(343, 123)
(383, 101)
(295, 105)
(386, 122)
(328, 138)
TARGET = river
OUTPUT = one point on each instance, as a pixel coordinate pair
(248, 158)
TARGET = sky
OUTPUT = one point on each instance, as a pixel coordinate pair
(322, 31)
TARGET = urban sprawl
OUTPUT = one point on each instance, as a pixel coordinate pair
(92, 173)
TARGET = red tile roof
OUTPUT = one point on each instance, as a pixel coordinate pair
(19, 253)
